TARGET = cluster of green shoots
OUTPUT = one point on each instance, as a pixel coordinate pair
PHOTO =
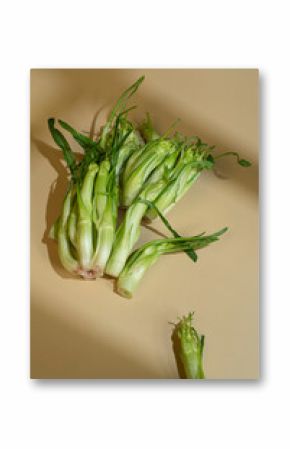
(131, 167)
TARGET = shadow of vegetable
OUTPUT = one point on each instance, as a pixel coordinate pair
(54, 202)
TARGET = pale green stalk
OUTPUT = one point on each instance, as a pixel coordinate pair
(164, 170)
(182, 177)
(106, 221)
(64, 248)
(85, 245)
(100, 192)
(191, 346)
(72, 224)
(175, 190)
(153, 155)
(130, 163)
(105, 235)
(129, 230)
(147, 130)
(132, 144)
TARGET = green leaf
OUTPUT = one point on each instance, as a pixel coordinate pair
(244, 163)
(190, 252)
(84, 141)
(63, 144)
(119, 108)
(210, 159)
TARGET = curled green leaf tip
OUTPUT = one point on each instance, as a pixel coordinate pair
(244, 163)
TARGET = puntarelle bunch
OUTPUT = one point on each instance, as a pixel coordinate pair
(133, 167)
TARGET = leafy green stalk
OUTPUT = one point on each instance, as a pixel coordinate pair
(190, 252)
(173, 192)
(64, 247)
(63, 144)
(118, 108)
(166, 169)
(106, 234)
(106, 219)
(100, 192)
(191, 346)
(187, 177)
(144, 257)
(129, 164)
(84, 141)
(153, 154)
(186, 172)
(133, 143)
(85, 222)
(129, 230)
(147, 130)
(242, 162)
(72, 224)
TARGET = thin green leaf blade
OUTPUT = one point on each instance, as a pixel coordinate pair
(84, 141)
(63, 144)
(190, 252)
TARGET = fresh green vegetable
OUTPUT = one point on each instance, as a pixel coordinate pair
(164, 184)
(85, 221)
(133, 143)
(185, 173)
(144, 257)
(170, 180)
(118, 109)
(129, 231)
(147, 130)
(153, 154)
(61, 141)
(190, 348)
(73, 223)
(86, 236)
(131, 166)
(190, 252)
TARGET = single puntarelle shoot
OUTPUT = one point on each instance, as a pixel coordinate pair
(148, 254)
(133, 143)
(189, 348)
(85, 220)
(73, 223)
(105, 234)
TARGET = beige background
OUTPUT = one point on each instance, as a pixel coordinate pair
(82, 329)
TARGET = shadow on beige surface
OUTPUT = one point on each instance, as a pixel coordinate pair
(60, 350)
(54, 202)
